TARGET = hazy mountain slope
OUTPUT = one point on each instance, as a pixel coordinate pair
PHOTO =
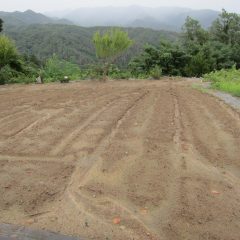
(165, 18)
(29, 17)
(150, 22)
(104, 16)
(168, 18)
(205, 17)
(74, 42)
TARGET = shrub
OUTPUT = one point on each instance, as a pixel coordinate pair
(156, 73)
(55, 69)
(5, 74)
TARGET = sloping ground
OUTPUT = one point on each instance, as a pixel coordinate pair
(120, 160)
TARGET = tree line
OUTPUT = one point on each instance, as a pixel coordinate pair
(196, 52)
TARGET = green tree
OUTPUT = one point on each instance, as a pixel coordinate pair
(193, 33)
(236, 55)
(202, 62)
(225, 34)
(223, 54)
(1, 25)
(9, 59)
(197, 45)
(110, 45)
(8, 54)
(226, 28)
(169, 57)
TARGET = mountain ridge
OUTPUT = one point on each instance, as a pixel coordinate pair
(30, 17)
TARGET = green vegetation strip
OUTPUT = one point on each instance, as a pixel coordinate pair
(226, 80)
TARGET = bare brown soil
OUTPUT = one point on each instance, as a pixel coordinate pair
(120, 160)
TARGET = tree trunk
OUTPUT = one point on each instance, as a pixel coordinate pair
(105, 72)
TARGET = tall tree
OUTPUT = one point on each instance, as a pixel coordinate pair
(196, 42)
(193, 33)
(110, 45)
(1, 25)
(8, 53)
(226, 28)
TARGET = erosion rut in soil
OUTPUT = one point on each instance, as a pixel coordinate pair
(120, 160)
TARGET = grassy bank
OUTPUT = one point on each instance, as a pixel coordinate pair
(225, 80)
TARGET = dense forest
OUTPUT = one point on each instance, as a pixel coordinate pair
(74, 43)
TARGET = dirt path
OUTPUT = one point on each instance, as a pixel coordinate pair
(160, 156)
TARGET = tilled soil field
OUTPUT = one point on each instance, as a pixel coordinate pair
(120, 160)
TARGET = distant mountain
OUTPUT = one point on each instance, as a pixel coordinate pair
(167, 18)
(150, 22)
(162, 18)
(205, 17)
(29, 17)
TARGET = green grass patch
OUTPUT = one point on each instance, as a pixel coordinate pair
(230, 87)
(226, 80)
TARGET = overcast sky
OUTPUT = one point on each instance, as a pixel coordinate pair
(52, 5)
